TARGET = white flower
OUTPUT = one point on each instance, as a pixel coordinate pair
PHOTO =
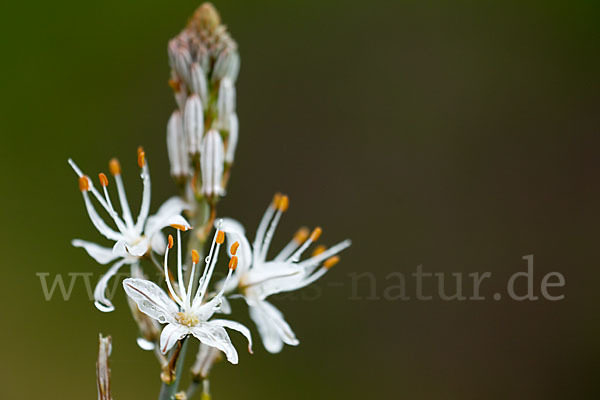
(256, 278)
(133, 240)
(184, 312)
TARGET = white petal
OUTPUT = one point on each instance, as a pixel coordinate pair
(120, 249)
(151, 299)
(236, 326)
(167, 214)
(234, 232)
(216, 336)
(102, 302)
(139, 249)
(170, 335)
(271, 326)
(103, 255)
(267, 331)
(158, 243)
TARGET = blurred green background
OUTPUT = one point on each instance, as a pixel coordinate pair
(457, 135)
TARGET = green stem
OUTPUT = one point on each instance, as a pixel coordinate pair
(168, 390)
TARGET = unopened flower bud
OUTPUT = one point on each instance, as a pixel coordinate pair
(233, 128)
(211, 162)
(177, 146)
(227, 64)
(198, 83)
(193, 123)
(226, 100)
(183, 62)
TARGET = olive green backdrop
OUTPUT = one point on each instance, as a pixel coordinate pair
(458, 135)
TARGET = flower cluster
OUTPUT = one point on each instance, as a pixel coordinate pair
(202, 135)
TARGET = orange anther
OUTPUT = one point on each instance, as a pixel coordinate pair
(330, 262)
(195, 257)
(114, 167)
(170, 241)
(180, 227)
(141, 158)
(233, 263)
(103, 179)
(301, 235)
(220, 237)
(234, 248)
(84, 184)
(276, 199)
(284, 203)
(316, 233)
(318, 250)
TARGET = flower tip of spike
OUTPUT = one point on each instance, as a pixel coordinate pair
(84, 184)
(180, 227)
(331, 261)
(114, 166)
(233, 262)
(234, 248)
(195, 257)
(103, 179)
(316, 233)
(170, 242)
(220, 237)
(284, 203)
(301, 235)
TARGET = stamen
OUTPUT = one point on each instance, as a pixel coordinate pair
(301, 235)
(233, 262)
(234, 248)
(316, 233)
(84, 184)
(114, 167)
(330, 262)
(318, 250)
(195, 257)
(276, 199)
(220, 237)
(103, 179)
(180, 268)
(284, 203)
(167, 275)
(179, 227)
(141, 158)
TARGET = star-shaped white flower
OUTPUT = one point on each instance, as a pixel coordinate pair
(256, 278)
(133, 240)
(184, 312)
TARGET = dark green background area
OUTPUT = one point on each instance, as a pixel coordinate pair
(460, 136)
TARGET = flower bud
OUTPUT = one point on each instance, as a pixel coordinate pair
(211, 163)
(198, 83)
(233, 128)
(226, 100)
(193, 123)
(227, 64)
(177, 146)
